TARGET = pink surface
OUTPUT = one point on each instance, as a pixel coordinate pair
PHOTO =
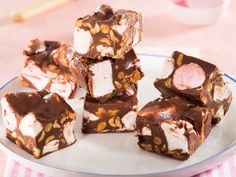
(216, 42)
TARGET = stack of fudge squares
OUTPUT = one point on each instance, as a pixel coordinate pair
(194, 97)
(111, 70)
(102, 62)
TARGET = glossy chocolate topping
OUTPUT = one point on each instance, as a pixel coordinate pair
(44, 105)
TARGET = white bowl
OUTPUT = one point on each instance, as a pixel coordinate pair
(199, 16)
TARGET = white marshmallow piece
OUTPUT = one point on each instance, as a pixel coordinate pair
(175, 136)
(68, 132)
(82, 40)
(90, 116)
(105, 51)
(35, 75)
(129, 120)
(30, 126)
(9, 117)
(146, 131)
(136, 35)
(221, 93)
(102, 80)
(121, 28)
(220, 112)
(51, 146)
(167, 69)
(64, 88)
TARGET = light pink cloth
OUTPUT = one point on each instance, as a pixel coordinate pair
(199, 3)
(226, 169)
(216, 42)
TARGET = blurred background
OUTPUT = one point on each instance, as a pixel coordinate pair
(209, 25)
(216, 41)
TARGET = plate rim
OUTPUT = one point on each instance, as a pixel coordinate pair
(226, 150)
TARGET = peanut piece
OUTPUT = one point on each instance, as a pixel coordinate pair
(101, 126)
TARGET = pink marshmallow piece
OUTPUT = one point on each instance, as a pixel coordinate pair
(189, 76)
(203, 3)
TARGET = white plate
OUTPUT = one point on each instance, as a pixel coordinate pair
(118, 154)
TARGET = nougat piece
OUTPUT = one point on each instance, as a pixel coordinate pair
(108, 77)
(197, 80)
(172, 126)
(47, 68)
(115, 115)
(38, 122)
(107, 33)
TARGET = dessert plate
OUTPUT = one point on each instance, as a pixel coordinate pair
(118, 154)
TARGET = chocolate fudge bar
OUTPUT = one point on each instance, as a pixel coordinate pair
(47, 67)
(107, 33)
(108, 77)
(115, 115)
(172, 126)
(38, 122)
(197, 80)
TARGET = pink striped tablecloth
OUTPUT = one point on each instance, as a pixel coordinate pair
(15, 169)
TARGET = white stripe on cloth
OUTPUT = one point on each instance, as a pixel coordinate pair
(14, 169)
(9, 167)
(215, 172)
(226, 169)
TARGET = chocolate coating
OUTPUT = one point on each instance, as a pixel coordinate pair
(51, 59)
(177, 111)
(109, 116)
(43, 121)
(202, 95)
(110, 32)
(125, 74)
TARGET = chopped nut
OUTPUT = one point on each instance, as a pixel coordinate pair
(176, 154)
(180, 59)
(100, 112)
(48, 127)
(86, 24)
(116, 67)
(113, 37)
(118, 123)
(105, 28)
(96, 29)
(147, 147)
(72, 115)
(42, 136)
(56, 125)
(164, 148)
(136, 76)
(121, 75)
(209, 86)
(157, 140)
(157, 149)
(78, 23)
(63, 119)
(50, 138)
(36, 152)
(51, 74)
(62, 140)
(18, 143)
(111, 122)
(24, 83)
(101, 126)
(106, 41)
(118, 85)
(126, 85)
(168, 82)
(204, 99)
(13, 134)
(113, 112)
(52, 67)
